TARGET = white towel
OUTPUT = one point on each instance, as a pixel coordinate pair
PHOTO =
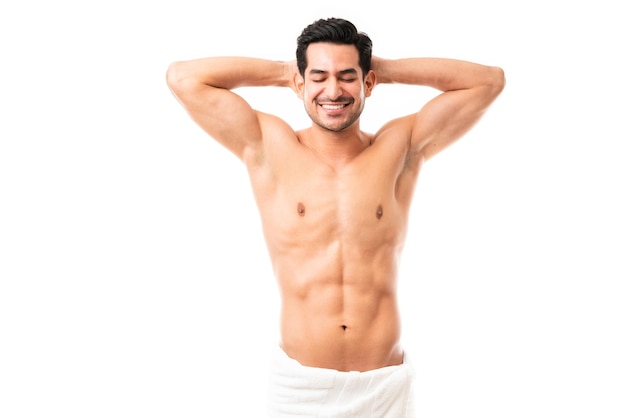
(297, 391)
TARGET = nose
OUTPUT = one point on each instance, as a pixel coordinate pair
(333, 89)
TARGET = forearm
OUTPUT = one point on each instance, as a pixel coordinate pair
(232, 72)
(440, 73)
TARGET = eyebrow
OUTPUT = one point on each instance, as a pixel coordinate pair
(342, 72)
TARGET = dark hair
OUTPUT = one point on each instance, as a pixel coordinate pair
(336, 31)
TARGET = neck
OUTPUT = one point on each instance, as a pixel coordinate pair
(335, 148)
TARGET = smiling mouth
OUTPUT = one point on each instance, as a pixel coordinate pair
(334, 106)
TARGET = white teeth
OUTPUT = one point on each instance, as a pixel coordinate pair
(332, 107)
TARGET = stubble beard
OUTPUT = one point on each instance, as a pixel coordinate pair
(329, 126)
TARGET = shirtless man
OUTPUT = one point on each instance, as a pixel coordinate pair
(334, 202)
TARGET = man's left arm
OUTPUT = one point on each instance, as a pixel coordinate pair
(467, 91)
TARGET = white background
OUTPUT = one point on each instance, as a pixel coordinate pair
(134, 279)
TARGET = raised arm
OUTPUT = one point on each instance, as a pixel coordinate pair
(468, 90)
(203, 87)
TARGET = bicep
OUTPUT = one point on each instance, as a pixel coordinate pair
(447, 117)
(224, 115)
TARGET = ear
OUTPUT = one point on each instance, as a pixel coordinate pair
(370, 83)
(298, 83)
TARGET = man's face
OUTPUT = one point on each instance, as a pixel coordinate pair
(333, 89)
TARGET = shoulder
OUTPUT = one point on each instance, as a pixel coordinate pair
(276, 137)
(397, 132)
(396, 139)
(274, 127)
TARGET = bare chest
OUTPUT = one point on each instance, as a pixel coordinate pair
(308, 204)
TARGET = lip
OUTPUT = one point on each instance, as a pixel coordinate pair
(333, 108)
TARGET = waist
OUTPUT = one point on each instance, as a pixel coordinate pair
(343, 333)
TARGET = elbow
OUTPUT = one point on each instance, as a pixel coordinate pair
(174, 77)
(498, 80)
(493, 82)
(181, 81)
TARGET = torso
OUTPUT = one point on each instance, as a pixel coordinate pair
(335, 235)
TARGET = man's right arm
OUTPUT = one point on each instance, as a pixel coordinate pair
(203, 87)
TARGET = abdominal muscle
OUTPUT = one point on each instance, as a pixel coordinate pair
(339, 310)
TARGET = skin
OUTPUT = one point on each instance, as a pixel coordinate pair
(334, 201)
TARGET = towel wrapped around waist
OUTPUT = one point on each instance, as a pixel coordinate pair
(297, 391)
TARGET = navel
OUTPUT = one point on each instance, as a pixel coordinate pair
(301, 209)
(379, 212)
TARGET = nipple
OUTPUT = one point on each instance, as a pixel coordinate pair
(379, 212)
(301, 209)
